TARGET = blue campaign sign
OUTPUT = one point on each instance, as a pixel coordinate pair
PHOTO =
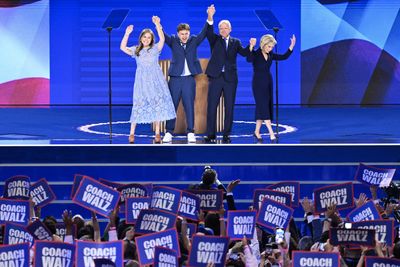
(15, 255)
(41, 193)
(366, 212)
(15, 211)
(292, 188)
(384, 229)
(166, 198)
(77, 181)
(191, 229)
(189, 206)
(374, 176)
(342, 195)
(165, 257)
(39, 231)
(208, 249)
(54, 254)
(132, 190)
(210, 200)
(61, 230)
(96, 197)
(241, 223)
(133, 206)
(357, 237)
(150, 221)
(146, 244)
(273, 214)
(307, 258)
(260, 194)
(17, 187)
(16, 234)
(104, 263)
(87, 251)
(371, 261)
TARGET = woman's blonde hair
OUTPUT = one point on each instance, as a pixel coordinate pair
(267, 39)
(139, 47)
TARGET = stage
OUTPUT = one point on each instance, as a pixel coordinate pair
(298, 125)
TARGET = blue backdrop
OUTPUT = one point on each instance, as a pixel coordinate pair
(79, 45)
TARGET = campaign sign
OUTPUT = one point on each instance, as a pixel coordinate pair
(260, 194)
(96, 197)
(164, 257)
(381, 262)
(133, 206)
(146, 244)
(384, 229)
(150, 221)
(189, 206)
(87, 251)
(61, 231)
(357, 237)
(273, 214)
(166, 198)
(366, 212)
(16, 234)
(15, 255)
(41, 193)
(374, 176)
(17, 187)
(191, 229)
(206, 249)
(77, 181)
(307, 258)
(132, 190)
(292, 188)
(51, 254)
(39, 231)
(113, 185)
(210, 200)
(241, 223)
(342, 195)
(16, 211)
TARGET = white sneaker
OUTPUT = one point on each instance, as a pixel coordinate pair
(191, 138)
(167, 138)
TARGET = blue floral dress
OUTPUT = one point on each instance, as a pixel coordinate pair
(151, 97)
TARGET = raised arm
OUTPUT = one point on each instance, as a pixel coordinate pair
(211, 36)
(124, 41)
(156, 20)
(288, 52)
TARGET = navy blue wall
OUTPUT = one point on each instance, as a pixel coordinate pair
(79, 45)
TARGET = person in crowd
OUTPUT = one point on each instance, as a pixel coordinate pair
(222, 73)
(152, 102)
(184, 66)
(262, 81)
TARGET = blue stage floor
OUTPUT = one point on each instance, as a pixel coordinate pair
(298, 125)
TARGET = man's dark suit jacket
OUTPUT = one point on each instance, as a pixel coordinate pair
(220, 56)
(190, 53)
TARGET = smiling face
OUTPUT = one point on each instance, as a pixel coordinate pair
(224, 29)
(183, 36)
(146, 39)
(268, 47)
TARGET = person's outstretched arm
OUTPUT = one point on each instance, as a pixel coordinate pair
(211, 36)
(124, 41)
(156, 20)
(288, 52)
(202, 35)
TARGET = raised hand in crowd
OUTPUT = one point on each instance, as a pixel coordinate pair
(96, 228)
(67, 219)
(362, 199)
(232, 185)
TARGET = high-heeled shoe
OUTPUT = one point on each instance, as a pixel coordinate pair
(259, 139)
(157, 139)
(274, 140)
(131, 139)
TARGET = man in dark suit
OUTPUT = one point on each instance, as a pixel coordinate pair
(222, 74)
(184, 66)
